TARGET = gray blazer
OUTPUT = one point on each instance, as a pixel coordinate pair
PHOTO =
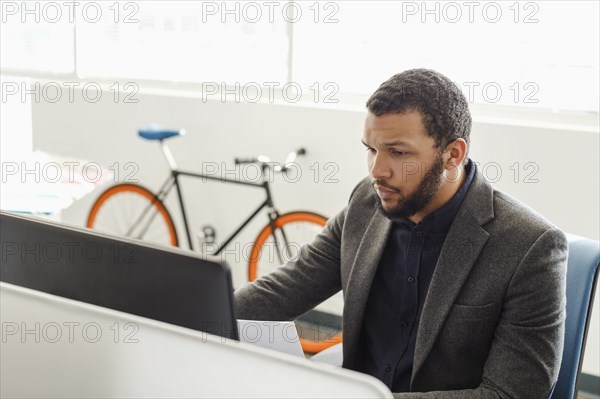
(492, 324)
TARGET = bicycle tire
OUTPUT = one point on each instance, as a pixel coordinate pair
(297, 217)
(119, 198)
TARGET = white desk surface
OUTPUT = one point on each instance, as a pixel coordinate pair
(56, 347)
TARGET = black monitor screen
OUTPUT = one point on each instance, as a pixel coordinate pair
(131, 276)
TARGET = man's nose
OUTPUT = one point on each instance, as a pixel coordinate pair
(380, 168)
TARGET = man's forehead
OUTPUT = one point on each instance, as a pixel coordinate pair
(401, 128)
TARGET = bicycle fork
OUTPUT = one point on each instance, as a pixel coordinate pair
(273, 215)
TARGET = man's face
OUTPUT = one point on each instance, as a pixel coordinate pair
(406, 167)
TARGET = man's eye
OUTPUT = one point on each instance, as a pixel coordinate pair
(399, 153)
(369, 149)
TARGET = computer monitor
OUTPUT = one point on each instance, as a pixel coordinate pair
(160, 283)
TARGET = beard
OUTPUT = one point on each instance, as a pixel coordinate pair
(423, 194)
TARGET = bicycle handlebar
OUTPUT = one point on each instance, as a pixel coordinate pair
(241, 161)
(265, 162)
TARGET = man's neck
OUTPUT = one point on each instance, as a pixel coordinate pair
(445, 193)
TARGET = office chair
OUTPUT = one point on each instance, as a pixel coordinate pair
(582, 277)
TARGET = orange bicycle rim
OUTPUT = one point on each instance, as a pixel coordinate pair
(132, 188)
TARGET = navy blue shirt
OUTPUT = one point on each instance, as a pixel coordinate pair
(387, 344)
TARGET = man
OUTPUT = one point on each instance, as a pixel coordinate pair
(452, 289)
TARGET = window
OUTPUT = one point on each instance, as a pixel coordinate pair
(182, 41)
(535, 54)
(34, 39)
(540, 54)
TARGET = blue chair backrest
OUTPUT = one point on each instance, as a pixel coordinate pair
(582, 276)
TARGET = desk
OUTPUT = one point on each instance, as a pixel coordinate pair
(57, 347)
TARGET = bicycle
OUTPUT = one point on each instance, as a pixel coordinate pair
(131, 210)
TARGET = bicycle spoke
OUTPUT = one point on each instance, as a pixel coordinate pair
(286, 244)
(131, 211)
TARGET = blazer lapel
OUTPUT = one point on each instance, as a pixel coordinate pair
(465, 240)
(359, 282)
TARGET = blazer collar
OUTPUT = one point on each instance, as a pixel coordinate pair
(361, 277)
(462, 246)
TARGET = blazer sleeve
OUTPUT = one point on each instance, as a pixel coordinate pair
(524, 359)
(299, 285)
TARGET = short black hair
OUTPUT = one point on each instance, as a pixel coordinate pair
(440, 101)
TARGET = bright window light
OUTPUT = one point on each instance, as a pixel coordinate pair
(30, 42)
(535, 54)
(529, 54)
(182, 41)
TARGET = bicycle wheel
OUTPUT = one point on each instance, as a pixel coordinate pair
(130, 210)
(267, 254)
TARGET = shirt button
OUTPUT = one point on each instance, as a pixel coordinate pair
(419, 233)
(411, 279)
(388, 368)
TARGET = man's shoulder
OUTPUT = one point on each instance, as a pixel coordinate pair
(507, 207)
(517, 223)
(363, 193)
(361, 205)
(497, 211)
(363, 199)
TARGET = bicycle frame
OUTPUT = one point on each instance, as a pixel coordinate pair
(174, 181)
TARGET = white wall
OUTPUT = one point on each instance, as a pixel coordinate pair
(567, 159)
(16, 119)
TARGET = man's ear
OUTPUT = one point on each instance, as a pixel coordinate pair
(455, 153)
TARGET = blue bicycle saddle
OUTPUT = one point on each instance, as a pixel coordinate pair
(155, 132)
